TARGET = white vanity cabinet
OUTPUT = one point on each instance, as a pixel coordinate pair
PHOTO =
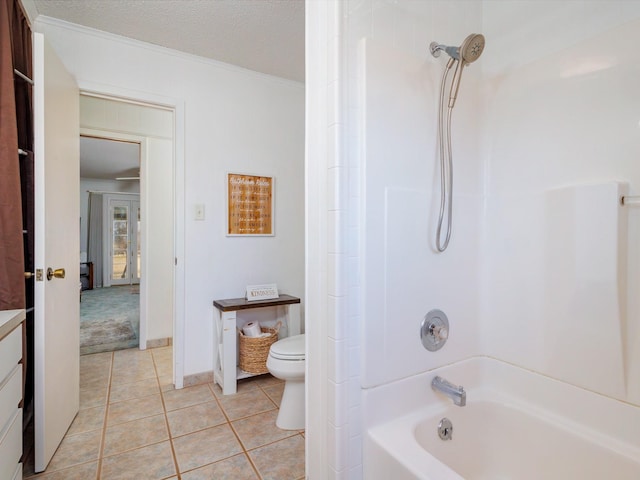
(11, 394)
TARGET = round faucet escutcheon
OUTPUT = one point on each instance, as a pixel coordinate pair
(434, 330)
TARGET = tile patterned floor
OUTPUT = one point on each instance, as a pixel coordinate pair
(133, 424)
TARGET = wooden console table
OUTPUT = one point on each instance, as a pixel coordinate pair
(86, 272)
(226, 372)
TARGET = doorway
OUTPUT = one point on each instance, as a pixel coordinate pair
(137, 252)
(110, 253)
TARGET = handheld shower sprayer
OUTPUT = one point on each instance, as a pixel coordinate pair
(467, 53)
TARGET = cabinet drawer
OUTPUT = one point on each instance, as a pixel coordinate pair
(10, 353)
(11, 446)
(10, 395)
(18, 474)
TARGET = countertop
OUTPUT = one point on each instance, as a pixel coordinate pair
(9, 320)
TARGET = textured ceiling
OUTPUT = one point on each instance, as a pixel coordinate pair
(262, 35)
(108, 159)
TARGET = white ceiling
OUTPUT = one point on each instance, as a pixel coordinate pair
(266, 36)
(262, 35)
(108, 159)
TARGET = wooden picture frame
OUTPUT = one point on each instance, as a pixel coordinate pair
(250, 205)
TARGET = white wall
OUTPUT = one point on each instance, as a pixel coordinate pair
(562, 256)
(235, 121)
(403, 277)
(156, 204)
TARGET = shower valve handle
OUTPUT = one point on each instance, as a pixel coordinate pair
(439, 332)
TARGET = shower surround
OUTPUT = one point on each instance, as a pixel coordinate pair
(543, 260)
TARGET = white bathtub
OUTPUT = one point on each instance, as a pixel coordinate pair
(517, 425)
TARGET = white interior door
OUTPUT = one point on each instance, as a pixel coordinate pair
(57, 214)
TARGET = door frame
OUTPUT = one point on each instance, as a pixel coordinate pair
(142, 141)
(177, 105)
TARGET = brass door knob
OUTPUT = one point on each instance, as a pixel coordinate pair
(57, 273)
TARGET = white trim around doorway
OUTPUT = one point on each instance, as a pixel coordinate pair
(177, 105)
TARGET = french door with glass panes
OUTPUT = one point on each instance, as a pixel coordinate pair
(123, 240)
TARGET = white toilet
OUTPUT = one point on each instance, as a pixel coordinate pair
(286, 361)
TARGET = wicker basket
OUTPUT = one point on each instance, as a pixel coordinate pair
(255, 350)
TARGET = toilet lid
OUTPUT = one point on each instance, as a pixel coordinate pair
(289, 348)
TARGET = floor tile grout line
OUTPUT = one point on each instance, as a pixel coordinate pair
(166, 421)
(118, 383)
(45, 472)
(247, 451)
(37, 476)
(253, 415)
(269, 397)
(104, 423)
(274, 441)
(134, 398)
(227, 420)
(146, 415)
(189, 405)
(217, 461)
(136, 448)
(134, 420)
(244, 450)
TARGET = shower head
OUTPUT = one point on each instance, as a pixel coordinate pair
(472, 47)
(467, 53)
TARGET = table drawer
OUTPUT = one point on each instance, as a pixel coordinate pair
(11, 446)
(10, 352)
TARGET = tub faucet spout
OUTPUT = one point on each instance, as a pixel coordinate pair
(454, 392)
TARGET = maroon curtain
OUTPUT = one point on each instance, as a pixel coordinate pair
(21, 46)
(22, 61)
(12, 287)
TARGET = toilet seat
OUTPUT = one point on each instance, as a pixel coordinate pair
(289, 348)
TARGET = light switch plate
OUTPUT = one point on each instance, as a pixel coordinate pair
(199, 211)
